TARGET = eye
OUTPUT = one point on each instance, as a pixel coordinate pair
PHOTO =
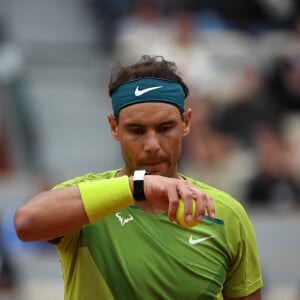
(136, 130)
(165, 128)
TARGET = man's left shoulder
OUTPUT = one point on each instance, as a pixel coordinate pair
(211, 190)
(222, 200)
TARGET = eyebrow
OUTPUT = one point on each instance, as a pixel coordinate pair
(168, 122)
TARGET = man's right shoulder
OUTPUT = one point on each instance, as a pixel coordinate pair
(86, 177)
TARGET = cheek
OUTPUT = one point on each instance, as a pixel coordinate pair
(173, 146)
(129, 149)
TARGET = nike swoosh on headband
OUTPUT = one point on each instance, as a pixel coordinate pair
(148, 89)
(139, 92)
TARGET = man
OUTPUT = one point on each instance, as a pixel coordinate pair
(114, 231)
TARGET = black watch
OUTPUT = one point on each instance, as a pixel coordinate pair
(138, 184)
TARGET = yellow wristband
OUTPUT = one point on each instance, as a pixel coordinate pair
(103, 197)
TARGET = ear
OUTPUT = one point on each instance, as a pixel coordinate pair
(187, 117)
(113, 127)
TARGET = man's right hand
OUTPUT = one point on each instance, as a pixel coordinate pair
(164, 193)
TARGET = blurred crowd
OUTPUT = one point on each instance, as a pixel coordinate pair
(19, 147)
(241, 60)
(242, 63)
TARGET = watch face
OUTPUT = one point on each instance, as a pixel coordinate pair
(139, 174)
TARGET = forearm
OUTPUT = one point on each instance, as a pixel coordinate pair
(58, 212)
(114, 194)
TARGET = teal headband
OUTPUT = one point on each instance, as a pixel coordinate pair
(148, 90)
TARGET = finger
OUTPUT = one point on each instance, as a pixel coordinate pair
(210, 207)
(201, 206)
(173, 203)
(188, 208)
(187, 195)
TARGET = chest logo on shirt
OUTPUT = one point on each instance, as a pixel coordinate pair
(124, 218)
(197, 241)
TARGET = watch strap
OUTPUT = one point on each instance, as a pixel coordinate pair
(138, 184)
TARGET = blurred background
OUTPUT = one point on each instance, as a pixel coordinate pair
(241, 60)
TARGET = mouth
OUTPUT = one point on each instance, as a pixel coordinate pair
(153, 166)
(153, 163)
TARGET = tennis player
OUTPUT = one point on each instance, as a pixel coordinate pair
(115, 232)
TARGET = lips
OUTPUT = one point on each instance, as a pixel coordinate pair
(152, 166)
(153, 163)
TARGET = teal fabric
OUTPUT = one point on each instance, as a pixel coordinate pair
(148, 90)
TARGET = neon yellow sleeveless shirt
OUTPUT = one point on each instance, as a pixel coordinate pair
(133, 254)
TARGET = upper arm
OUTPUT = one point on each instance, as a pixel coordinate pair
(254, 296)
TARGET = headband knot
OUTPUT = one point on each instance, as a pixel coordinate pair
(148, 90)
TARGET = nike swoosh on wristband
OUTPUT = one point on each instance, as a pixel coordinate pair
(197, 241)
(138, 92)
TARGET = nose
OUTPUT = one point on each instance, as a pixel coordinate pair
(151, 143)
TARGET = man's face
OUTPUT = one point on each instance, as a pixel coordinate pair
(151, 135)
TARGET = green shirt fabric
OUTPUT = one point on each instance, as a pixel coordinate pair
(133, 254)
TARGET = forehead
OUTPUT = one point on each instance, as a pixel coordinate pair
(150, 111)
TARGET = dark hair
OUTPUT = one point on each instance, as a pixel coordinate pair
(148, 66)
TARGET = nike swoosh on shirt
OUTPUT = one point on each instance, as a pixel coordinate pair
(197, 241)
(144, 91)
